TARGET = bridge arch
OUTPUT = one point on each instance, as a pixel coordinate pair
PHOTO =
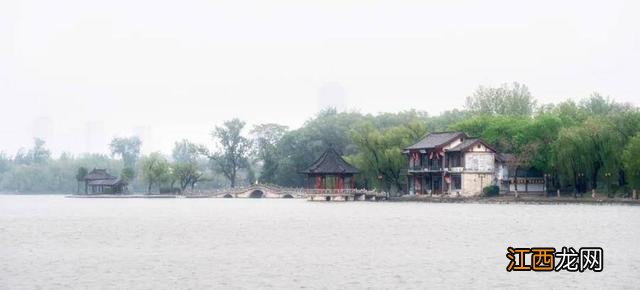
(228, 195)
(256, 193)
(286, 195)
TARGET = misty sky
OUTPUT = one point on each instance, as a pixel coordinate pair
(79, 72)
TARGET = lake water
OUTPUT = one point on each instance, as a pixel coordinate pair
(52, 242)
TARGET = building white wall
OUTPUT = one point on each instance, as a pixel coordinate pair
(479, 162)
(473, 183)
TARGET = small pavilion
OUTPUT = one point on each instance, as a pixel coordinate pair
(102, 182)
(330, 171)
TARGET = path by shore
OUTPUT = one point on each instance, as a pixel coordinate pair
(513, 199)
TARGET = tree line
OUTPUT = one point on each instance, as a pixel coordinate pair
(592, 143)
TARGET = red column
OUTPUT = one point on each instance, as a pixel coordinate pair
(340, 182)
(318, 183)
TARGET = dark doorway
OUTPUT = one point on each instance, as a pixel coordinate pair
(256, 194)
(437, 184)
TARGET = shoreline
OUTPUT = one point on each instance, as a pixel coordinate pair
(509, 199)
(520, 200)
(122, 196)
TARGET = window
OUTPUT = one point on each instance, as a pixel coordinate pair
(456, 181)
(454, 160)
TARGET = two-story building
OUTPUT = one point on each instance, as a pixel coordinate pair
(453, 163)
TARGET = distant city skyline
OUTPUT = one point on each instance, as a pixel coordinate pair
(166, 71)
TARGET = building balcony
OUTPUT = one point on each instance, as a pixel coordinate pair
(426, 169)
(435, 169)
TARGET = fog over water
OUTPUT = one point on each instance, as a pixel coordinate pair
(52, 242)
(77, 73)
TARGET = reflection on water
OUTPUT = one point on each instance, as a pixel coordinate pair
(56, 242)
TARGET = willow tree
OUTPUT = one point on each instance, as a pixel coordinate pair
(155, 170)
(631, 160)
(380, 152)
(603, 144)
(571, 156)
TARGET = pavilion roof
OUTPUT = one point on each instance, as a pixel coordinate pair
(330, 162)
(107, 182)
(98, 174)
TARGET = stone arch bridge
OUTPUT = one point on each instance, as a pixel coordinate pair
(261, 191)
(270, 191)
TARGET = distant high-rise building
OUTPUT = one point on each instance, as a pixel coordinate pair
(96, 140)
(332, 95)
(42, 128)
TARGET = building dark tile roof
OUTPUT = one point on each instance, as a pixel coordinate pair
(507, 157)
(330, 163)
(106, 182)
(98, 174)
(466, 143)
(434, 140)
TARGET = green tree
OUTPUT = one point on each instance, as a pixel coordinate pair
(380, 152)
(127, 148)
(184, 151)
(602, 144)
(185, 169)
(38, 154)
(506, 133)
(155, 170)
(82, 172)
(265, 141)
(596, 104)
(509, 99)
(127, 174)
(570, 153)
(187, 174)
(5, 162)
(631, 160)
(232, 155)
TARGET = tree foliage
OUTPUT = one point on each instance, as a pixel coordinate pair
(185, 169)
(380, 153)
(127, 148)
(508, 100)
(585, 143)
(232, 155)
(155, 170)
(631, 160)
(265, 141)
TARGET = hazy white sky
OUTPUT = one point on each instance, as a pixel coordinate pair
(78, 72)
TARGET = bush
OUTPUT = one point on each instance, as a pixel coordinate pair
(174, 190)
(491, 190)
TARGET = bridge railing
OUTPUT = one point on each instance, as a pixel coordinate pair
(354, 191)
(293, 190)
